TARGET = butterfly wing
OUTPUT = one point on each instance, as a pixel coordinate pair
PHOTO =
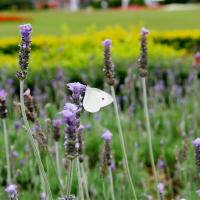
(91, 101)
(104, 97)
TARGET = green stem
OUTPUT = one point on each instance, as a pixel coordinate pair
(122, 143)
(111, 184)
(146, 112)
(85, 184)
(6, 143)
(33, 143)
(69, 177)
(58, 164)
(80, 178)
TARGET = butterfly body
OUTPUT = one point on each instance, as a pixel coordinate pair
(95, 99)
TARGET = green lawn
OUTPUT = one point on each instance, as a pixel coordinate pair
(53, 22)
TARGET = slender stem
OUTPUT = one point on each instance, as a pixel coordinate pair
(69, 177)
(6, 143)
(80, 179)
(122, 143)
(85, 184)
(58, 164)
(33, 143)
(111, 184)
(146, 112)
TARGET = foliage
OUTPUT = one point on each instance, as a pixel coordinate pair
(80, 54)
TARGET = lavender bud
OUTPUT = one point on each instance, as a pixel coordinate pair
(80, 142)
(77, 90)
(71, 119)
(32, 111)
(43, 196)
(143, 53)
(198, 192)
(56, 129)
(24, 52)
(41, 138)
(3, 107)
(160, 188)
(108, 64)
(12, 192)
(106, 154)
(196, 144)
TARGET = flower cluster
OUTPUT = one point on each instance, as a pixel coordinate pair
(32, 111)
(106, 160)
(78, 91)
(12, 192)
(24, 52)
(71, 119)
(3, 107)
(108, 64)
(143, 53)
(196, 144)
(56, 129)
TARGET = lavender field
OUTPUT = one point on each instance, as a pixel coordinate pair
(109, 113)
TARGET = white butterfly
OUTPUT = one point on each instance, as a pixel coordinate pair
(95, 99)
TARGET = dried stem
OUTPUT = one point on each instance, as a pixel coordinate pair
(33, 143)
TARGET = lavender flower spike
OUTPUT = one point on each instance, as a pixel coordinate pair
(72, 121)
(143, 54)
(3, 107)
(106, 160)
(144, 31)
(160, 187)
(24, 52)
(56, 129)
(107, 135)
(3, 95)
(12, 192)
(107, 43)
(198, 192)
(196, 144)
(108, 64)
(77, 90)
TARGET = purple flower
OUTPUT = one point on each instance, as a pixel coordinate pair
(25, 49)
(25, 30)
(107, 43)
(71, 119)
(196, 142)
(161, 164)
(76, 88)
(144, 31)
(96, 116)
(113, 166)
(3, 95)
(43, 196)
(108, 64)
(57, 123)
(17, 125)
(159, 87)
(160, 188)
(88, 127)
(198, 192)
(70, 106)
(143, 53)
(12, 191)
(107, 135)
